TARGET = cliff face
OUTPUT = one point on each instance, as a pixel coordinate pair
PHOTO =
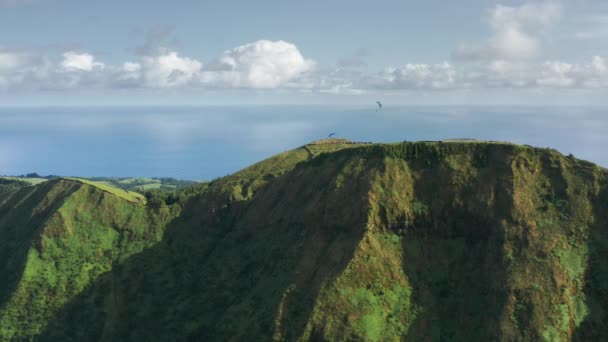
(336, 241)
(486, 242)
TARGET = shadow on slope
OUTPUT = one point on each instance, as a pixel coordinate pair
(225, 269)
(22, 215)
(496, 250)
(594, 327)
(481, 233)
(454, 230)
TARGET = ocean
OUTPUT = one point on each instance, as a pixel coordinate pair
(201, 143)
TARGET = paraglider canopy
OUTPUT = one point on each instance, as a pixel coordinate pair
(379, 105)
(331, 135)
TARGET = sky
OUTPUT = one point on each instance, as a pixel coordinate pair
(200, 89)
(482, 52)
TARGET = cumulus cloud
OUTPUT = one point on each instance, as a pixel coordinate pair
(557, 74)
(493, 74)
(280, 65)
(562, 74)
(130, 70)
(21, 70)
(73, 61)
(503, 74)
(547, 74)
(16, 67)
(261, 64)
(419, 76)
(514, 32)
(599, 64)
(166, 70)
(337, 81)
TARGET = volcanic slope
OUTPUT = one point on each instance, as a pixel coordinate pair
(332, 241)
(58, 237)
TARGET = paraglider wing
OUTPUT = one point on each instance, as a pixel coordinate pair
(331, 135)
(379, 105)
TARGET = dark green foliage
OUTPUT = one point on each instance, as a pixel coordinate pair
(58, 237)
(11, 185)
(332, 241)
(156, 198)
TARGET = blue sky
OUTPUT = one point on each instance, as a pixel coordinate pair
(60, 52)
(198, 89)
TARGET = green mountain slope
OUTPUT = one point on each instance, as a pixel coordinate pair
(58, 237)
(11, 185)
(331, 241)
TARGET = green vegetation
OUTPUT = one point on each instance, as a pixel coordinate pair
(11, 185)
(26, 180)
(440, 241)
(72, 239)
(126, 194)
(138, 184)
(142, 184)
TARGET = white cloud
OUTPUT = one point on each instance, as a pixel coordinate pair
(560, 74)
(73, 61)
(513, 43)
(9, 61)
(166, 70)
(599, 64)
(280, 65)
(419, 76)
(502, 74)
(557, 74)
(130, 71)
(16, 67)
(261, 64)
(332, 80)
(514, 32)
(344, 88)
(131, 67)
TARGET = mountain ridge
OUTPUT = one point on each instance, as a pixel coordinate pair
(418, 241)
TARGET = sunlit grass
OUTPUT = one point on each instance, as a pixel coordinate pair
(130, 196)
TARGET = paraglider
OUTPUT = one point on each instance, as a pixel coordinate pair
(331, 135)
(379, 105)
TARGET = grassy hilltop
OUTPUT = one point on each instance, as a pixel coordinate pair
(133, 184)
(452, 240)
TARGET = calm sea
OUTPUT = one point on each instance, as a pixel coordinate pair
(207, 142)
